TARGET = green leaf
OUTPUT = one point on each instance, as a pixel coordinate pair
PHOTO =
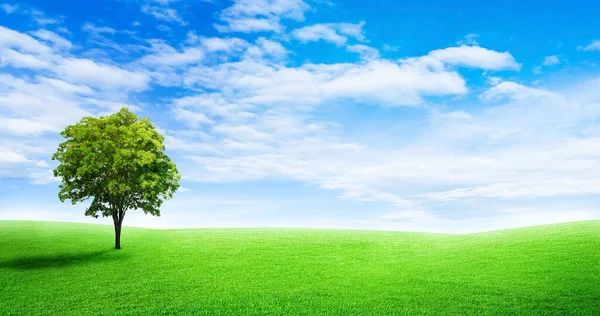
(119, 162)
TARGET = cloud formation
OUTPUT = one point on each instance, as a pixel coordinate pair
(410, 137)
(337, 33)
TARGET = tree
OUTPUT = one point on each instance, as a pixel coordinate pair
(119, 162)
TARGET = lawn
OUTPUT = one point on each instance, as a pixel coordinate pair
(69, 268)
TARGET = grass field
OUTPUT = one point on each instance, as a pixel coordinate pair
(69, 268)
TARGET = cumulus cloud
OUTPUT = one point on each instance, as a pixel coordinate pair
(473, 56)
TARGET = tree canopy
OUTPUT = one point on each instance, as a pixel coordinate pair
(118, 161)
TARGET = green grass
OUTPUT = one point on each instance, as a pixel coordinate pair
(68, 268)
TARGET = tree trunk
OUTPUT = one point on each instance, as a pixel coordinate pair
(118, 216)
(117, 235)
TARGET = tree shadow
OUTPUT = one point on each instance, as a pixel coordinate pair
(57, 260)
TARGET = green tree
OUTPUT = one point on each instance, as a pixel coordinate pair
(119, 162)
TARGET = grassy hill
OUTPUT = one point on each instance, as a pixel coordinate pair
(69, 268)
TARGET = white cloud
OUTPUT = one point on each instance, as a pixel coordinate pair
(470, 39)
(243, 111)
(248, 25)
(515, 91)
(551, 60)
(9, 9)
(183, 189)
(378, 80)
(91, 28)
(65, 87)
(61, 90)
(365, 52)
(594, 46)
(292, 9)
(41, 104)
(217, 44)
(19, 126)
(42, 176)
(318, 32)
(336, 33)
(37, 16)
(10, 57)
(193, 119)
(390, 48)
(475, 56)
(163, 2)
(12, 157)
(264, 48)
(13, 39)
(41, 18)
(165, 55)
(16, 164)
(164, 14)
(101, 76)
(519, 155)
(248, 16)
(56, 40)
(525, 189)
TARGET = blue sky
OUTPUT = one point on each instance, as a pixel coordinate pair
(436, 116)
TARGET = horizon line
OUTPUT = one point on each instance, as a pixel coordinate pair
(311, 228)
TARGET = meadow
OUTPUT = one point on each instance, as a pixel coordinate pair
(58, 268)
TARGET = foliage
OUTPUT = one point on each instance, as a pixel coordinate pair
(119, 162)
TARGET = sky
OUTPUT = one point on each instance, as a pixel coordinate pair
(434, 116)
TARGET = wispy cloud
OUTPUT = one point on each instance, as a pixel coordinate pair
(365, 52)
(36, 15)
(594, 46)
(9, 9)
(337, 33)
(164, 13)
(91, 28)
(551, 60)
(247, 16)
